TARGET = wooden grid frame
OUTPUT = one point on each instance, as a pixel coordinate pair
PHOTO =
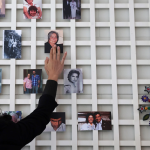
(95, 143)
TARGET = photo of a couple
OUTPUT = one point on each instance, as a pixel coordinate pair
(94, 121)
(32, 82)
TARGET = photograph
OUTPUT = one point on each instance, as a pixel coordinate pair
(32, 9)
(57, 122)
(0, 80)
(73, 81)
(32, 81)
(12, 44)
(15, 115)
(2, 8)
(71, 9)
(53, 37)
(94, 120)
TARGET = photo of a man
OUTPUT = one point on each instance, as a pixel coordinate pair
(94, 121)
(57, 122)
(2, 8)
(32, 9)
(32, 82)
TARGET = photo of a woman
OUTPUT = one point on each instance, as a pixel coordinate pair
(73, 9)
(73, 81)
(89, 125)
(54, 38)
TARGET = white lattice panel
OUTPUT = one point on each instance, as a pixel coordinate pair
(111, 43)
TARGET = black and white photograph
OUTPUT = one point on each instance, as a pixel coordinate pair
(2, 8)
(15, 116)
(71, 9)
(57, 122)
(32, 9)
(73, 81)
(0, 80)
(94, 120)
(12, 44)
(32, 81)
(53, 37)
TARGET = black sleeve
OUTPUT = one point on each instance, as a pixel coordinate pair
(35, 123)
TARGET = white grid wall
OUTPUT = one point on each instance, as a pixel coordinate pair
(111, 43)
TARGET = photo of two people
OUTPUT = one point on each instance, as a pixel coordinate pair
(98, 120)
(32, 82)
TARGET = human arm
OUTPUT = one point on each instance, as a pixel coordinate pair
(24, 86)
(40, 13)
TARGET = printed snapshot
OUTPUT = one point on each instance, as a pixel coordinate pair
(57, 122)
(32, 82)
(32, 9)
(2, 8)
(71, 9)
(99, 120)
(73, 81)
(12, 44)
(53, 37)
(0, 80)
(15, 115)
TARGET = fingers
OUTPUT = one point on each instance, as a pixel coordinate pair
(58, 53)
(51, 54)
(54, 52)
(46, 60)
(64, 57)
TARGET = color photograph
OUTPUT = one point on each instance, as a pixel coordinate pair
(32, 9)
(15, 115)
(94, 120)
(73, 81)
(71, 9)
(53, 37)
(12, 44)
(2, 8)
(0, 80)
(57, 122)
(32, 82)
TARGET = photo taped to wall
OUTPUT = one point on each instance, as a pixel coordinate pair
(12, 44)
(53, 37)
(32, 81)
(73, 81)
(57, 122)
(94, 120)
(32, 9)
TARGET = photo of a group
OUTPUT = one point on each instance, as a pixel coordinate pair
(71, 9)
(57, 122)
(73, 81)
(53, 37)
(0, 80)
(12, 44)
(2, 8)
(95, 120)
(15, 116)
(32, 82)
(32, 9)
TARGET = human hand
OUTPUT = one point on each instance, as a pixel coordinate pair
(53, 65)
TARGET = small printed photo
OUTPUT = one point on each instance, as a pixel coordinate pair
(53, 37)
(2, 8)
(15, 115)
(73, 81)
(0, 80)
(32, 81)
(12, 44)
(94, 120)
(32, 9)
(57, 122)
(71, 9)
